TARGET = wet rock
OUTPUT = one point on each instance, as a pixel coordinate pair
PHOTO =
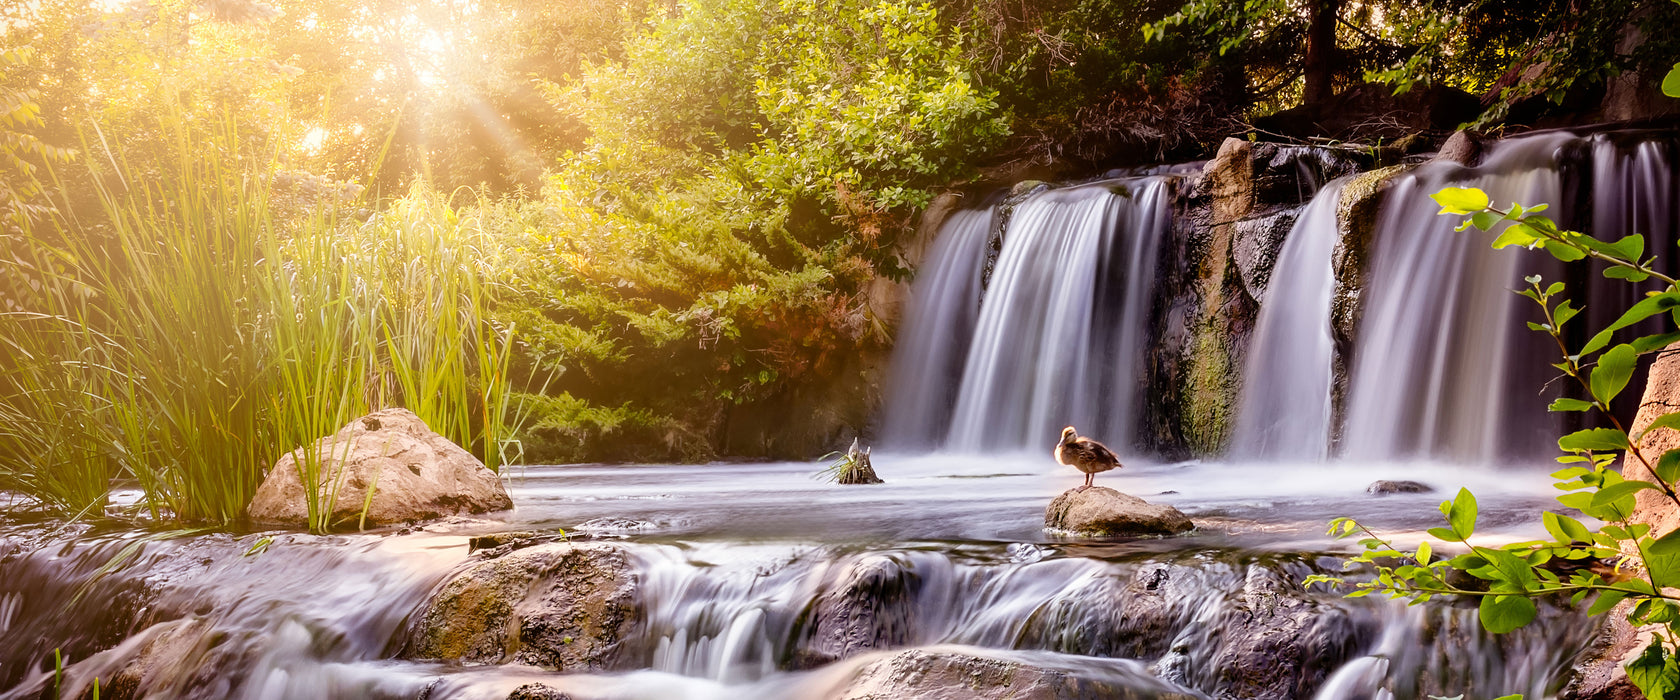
(1258, 242)
(560, 606)
(537, 691)
(1104, 512)
(942, 674)
(1266, 642)
(1384, 487)
(164, 656)
(414, 473)
(1462, 148)
(870, 608)
(498, 539)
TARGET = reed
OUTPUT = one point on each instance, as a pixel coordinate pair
(185, 335)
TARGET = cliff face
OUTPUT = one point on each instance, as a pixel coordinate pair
(1230, 222)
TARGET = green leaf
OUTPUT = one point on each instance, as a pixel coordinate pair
(1646, 308)
(1503, 613)
(1422, 555)
(1617, 272)
(1565, 528)
(1571, 405)
(1668, 466)
(1462, 515)
(1460, 200)
(1667, 544)
(1442, 533)
(1654, 673)
(1564, 251)
(1666, 420)
(1515, 235)
(1606, 601)
(1630, 248)
(1653, 343)
(1619, 497)
(1485, 220)
(1563, 313)
(1611, 375)
(1671, 82)
(1594, 439)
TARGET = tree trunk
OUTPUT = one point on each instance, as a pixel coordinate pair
(1321, 50)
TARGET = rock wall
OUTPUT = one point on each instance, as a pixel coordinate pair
(1230, 222)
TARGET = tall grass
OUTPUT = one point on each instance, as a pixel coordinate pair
(186, 335)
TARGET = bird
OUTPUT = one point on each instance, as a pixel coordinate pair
(1086, 455)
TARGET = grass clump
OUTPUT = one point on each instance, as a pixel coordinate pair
(185, 333)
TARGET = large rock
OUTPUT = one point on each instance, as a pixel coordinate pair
(870, 607)
(415, 474)
(1599, 675)
(1103, 512)
(566, 607)
(1266, 642)
(950, 674)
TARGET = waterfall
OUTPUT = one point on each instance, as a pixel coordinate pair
(1059, 331)
(937, 329)
(1285, 410)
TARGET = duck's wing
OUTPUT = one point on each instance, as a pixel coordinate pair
(1098, 452)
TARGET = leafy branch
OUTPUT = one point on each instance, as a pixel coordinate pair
(1624, 560)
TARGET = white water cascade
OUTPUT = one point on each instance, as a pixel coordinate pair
(938, 328)
(1285, 411)
(1059, 329)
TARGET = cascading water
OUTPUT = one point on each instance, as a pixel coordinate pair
(1059, 330)
(1285, 411)
(1445, 367)
(937, 331)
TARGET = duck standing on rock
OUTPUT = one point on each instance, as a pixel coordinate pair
(1086, 455)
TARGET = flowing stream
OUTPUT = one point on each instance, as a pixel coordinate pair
(732, 560)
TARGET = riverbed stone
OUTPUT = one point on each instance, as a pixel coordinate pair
(1268, 641)
(870, 607)
(413, 472)
(1100, 511)
(950, 674)
(1383, 487)
(561, 606)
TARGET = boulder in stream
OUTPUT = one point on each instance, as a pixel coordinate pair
(414, 473)
(1104, 512)
(1383, 487)
(560, 606)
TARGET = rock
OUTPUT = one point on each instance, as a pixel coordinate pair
(871, 607)
(942, 674)
(565, 607)
(1462, 148)
(1600, 675)
(1384, 487)
(494, 540)
(166, 657)
(537, 691)
(415, 474)
(1104, 512)
(1266, 642)
(1258, 242)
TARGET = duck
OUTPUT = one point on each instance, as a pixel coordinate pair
(1086, 455)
